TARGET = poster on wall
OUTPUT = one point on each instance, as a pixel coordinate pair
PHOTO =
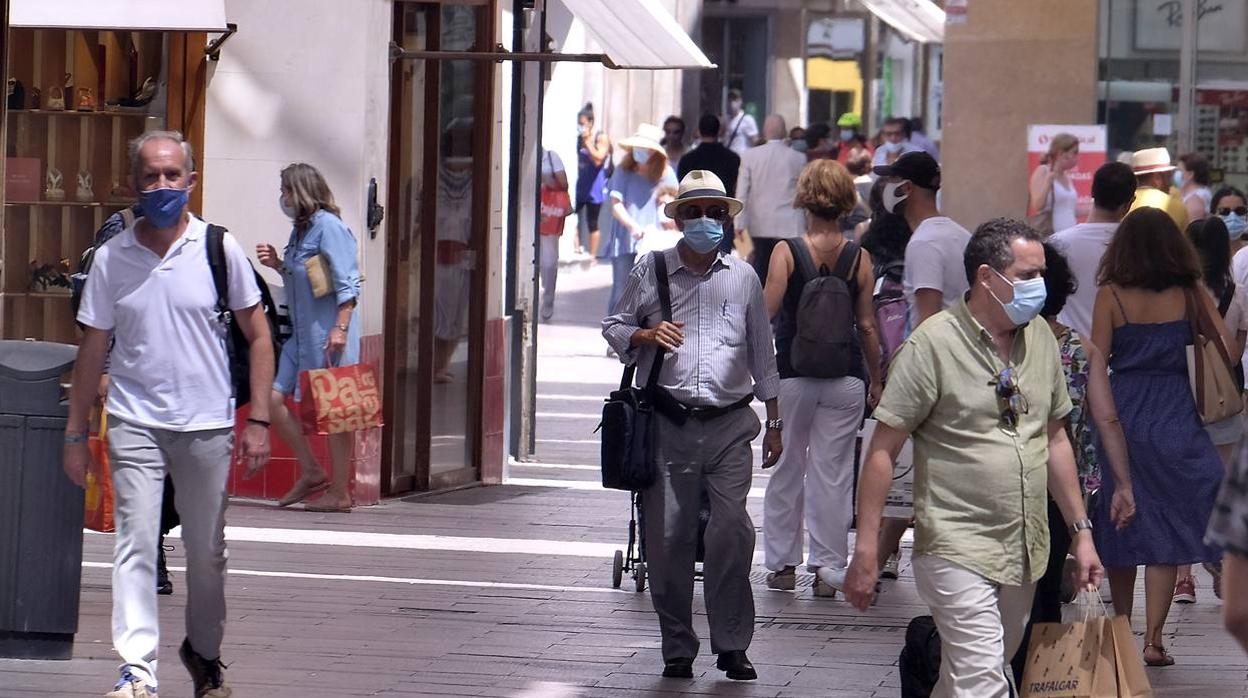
(1092, 153)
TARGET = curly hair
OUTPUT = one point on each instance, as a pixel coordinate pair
(1059, 281)
(826, 190)
(1149, 252)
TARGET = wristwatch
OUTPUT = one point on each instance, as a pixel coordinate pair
(777, 424)
(1081, 525)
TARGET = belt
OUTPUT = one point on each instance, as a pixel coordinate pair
(679, 412)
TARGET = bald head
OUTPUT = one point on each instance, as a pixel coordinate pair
(773, 128)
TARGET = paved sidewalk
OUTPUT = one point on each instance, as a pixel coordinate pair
(505, 591)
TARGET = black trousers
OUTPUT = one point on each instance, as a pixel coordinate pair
(762, 256)
(168, 512)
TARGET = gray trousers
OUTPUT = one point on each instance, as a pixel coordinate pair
(714, 456)
(199, 462)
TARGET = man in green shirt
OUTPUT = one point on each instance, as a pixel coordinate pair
(980, 387)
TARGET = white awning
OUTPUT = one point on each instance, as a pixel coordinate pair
(126, 15)
(917, 20)
(638, 34)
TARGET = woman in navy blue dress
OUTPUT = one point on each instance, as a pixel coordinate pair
(1146, 276)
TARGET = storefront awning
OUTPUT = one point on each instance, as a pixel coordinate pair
(917, 20)
(127, 15)
(638, 34)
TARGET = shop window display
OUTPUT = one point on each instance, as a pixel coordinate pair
(75, 99)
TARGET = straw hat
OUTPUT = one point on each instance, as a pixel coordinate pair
(647, 136)
(702, 185)
(1151, 160)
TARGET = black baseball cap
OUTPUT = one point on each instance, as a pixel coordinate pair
(917, 167)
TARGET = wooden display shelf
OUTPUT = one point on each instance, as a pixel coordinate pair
(85, 204)
(74, 112)
(36, 294)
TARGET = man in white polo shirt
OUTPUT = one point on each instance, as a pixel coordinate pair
(172, 408)
(1113, 190)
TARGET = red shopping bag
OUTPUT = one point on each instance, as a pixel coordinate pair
(556, 206)
(339, 400)
(98, 509)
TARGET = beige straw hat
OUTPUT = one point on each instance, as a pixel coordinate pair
(647, 136)
(1151, 160)
(702, 185)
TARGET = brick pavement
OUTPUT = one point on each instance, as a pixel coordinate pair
(505, 591)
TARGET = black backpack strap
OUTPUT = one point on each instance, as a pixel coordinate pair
(801, 257)
(216, 262)
(658, 261)
(847, 265)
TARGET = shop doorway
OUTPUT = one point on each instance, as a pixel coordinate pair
(439, 177)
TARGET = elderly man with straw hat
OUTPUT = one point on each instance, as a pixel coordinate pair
(1153, 174)
(718, 356)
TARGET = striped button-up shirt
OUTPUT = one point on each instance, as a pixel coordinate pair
(728, 350)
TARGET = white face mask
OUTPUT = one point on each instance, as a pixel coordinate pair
(287, 209)
(734, 106)
(892, 198)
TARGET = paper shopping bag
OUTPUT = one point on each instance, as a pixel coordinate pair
(339, 400)
(1132, 681)
(1070, 660)
(98, 510)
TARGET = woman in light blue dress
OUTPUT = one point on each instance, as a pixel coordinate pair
(323, 329)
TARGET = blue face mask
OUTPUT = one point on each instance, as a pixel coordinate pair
(1178, 179)
(163, 207)
(1236, 225)
(799, 145)
(847, 134)
(1029, 297)
(703, 234)
(641, 155)
(891, 147)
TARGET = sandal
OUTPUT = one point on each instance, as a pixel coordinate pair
(1166, 659)
(322, 507)
(302, 491)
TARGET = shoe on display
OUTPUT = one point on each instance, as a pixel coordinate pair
(86, 187)
(131, 687)
(784, 580)
(892, 567)
(86, 99)
(828, 581)
(1185, 590)
(205, 674)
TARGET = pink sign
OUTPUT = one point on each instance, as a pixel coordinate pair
(1092, 152)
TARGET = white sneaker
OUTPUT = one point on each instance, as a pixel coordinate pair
(130, 687)
(828, 581)
(891, 567)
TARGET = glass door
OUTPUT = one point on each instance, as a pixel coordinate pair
(440, 169)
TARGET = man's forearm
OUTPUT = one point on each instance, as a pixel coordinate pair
(1064, 480)
(873, 486)
(85, 383)
(262, 363)
(773, 409)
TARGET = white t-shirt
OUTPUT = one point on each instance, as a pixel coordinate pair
(740, 132)
(934, 260)
(1239, 267)
(168, 368)
(1083, 245)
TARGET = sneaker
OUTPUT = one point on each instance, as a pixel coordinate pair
(828, 581)
(164, 586)
(205, 673)
(891, 567)
(1185, 590)
(1215, 570)
(131, 687)
(784, 580)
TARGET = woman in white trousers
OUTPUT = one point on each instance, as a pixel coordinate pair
(814, 477)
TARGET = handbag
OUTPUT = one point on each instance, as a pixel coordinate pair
(1094, 658)
(339, 400)
(1209, 366)
(556, 206)
(629, 424)
(318, 275)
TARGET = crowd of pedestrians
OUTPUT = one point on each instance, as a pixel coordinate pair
(1039, 368)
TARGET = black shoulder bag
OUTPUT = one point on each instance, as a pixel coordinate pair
(628, 419)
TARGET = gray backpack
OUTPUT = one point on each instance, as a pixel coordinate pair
(823, 346)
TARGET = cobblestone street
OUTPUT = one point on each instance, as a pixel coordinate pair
(506, 591)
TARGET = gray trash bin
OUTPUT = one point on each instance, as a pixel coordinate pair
(40, 509)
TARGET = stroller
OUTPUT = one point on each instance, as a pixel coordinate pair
(633, 559)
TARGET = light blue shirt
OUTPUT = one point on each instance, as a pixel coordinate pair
(640, 198)
(312, 318)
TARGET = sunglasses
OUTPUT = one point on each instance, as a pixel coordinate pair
(1238, 210)
(688, 212)
(1013, 402)
(891, 134)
